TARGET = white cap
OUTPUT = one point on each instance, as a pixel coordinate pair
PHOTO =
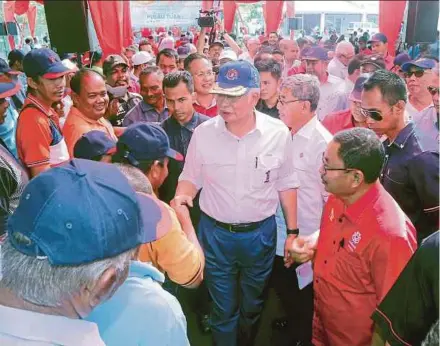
(70, 65)
(228, 54)
(141, 58)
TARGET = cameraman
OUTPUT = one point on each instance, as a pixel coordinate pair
(117, 76)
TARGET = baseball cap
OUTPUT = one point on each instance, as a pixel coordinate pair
(145, 141)
(4, 68)
(235, 78)
(379, 37)
(400, 59)
(375, 60)
(70, 65)
(315, 53)
(111, 61)
(15, 55)
(45, 63)
(141, 58)
(358, 87)
(9, 89)
(112, 218)
(92, 144)
(183, 51)
(423, 63)
(228, 54)
(217, 43)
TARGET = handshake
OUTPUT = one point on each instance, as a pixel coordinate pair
(300, 249)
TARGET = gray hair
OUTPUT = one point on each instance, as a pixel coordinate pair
(136, 178)
(36, 281)
(304, 87)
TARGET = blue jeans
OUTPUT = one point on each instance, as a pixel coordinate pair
(237, 270)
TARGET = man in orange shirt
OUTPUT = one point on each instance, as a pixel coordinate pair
(90, 101)
(40, 142)
(365, 241)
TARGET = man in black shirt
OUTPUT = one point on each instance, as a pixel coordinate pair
(411, 307)
(178, 88)
(270, 77)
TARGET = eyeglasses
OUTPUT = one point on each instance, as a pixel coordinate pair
(433, 90)
(204, 74)
(417, 73)
(372, 113)
(282, 103)
(326, 168)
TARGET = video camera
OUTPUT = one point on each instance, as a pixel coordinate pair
(207, 21)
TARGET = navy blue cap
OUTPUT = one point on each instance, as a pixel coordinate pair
(92, 144)
(45, 63)
(379, 37)
(423, 63)
(83, 211)
(8, 89)
(375, 60)
(4, 67)
(183, 51)
(315, 53)
(358, 87)
(235, 78)
(401, 58)
(145, 141)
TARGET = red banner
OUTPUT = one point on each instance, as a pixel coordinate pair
(108, 20)
(390, 21)
(8, 10)
(128, 33)
(32, 18)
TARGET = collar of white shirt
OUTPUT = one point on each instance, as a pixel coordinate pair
(59, 330)
(260, 119)
(307, 130)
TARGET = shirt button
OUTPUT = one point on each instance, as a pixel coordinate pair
(334, 242)
(325, 262)
(316, 281)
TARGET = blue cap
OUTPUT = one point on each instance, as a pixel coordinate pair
(4, 67)
(358, 87)
(235, 78)
(423, 63)
(8, 89)
(45, 63)
(145, 141)
(379, 37)
(400, 59)
(92, 144)
(83, 211)
(315, 53)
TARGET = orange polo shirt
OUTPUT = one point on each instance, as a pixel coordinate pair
(78, 124)
(361, 251)
(338, 121)
(34, 136)
(174, 254)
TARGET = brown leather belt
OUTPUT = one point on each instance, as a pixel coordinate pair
(237, 227)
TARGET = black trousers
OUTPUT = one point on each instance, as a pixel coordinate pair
(298, 304)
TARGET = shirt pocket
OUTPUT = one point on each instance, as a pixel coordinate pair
(347, 269)
(393, 176)
(266, 171)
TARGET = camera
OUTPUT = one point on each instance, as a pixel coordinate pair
(208, 20)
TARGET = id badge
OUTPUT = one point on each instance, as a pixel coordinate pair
(304, 273)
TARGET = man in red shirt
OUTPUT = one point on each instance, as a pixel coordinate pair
(204, 78)
(348, 118)
(363, 49)
(379, 45)
(365, 241)
(40, 142)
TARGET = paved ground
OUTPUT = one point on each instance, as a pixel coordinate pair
(265, 337)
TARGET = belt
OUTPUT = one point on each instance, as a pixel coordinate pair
(237, 227)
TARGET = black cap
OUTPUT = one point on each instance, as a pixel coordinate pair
(15, 55)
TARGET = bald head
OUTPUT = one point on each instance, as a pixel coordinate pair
(344, 52)
(253, 45)
(290, 49)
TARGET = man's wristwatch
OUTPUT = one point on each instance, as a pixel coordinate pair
(293, 231)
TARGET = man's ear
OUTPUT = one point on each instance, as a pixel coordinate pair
(75, 98)
(32, 83)
(106, 285)
(358, 178)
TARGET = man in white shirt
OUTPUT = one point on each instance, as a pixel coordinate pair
(331, 97)
(291, 55)
(343, 54)
(242, 162)
(419, 75)
(298, 101)
(59, 261)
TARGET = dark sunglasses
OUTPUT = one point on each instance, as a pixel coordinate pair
(433, 90)
(372, 113)
(417, 73)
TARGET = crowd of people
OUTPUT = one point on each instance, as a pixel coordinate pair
(226, 170)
